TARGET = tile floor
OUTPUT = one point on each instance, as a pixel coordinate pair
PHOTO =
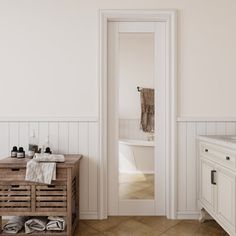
(136, 186)
(147, 226)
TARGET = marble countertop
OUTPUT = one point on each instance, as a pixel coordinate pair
(223, 140)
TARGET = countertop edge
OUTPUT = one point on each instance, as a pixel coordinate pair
(217, 141)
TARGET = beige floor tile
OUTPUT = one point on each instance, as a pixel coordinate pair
(136, 186)
(147, 226)
(85, 230)
(158, 224)
(103, 225)
(184, 228)
(129, 228)
(210, 228)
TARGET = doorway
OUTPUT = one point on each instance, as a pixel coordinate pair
(136, 164)
(160, 29)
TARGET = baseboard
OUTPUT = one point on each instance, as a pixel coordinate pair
(89, 215)
(188, 215)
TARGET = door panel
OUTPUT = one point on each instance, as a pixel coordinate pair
(226, 196)
(156, 205)
(207, 188)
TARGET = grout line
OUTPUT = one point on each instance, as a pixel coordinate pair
(180, 221)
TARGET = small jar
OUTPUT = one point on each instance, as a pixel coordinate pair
(48, 150)
(21, 153)
(14, 152)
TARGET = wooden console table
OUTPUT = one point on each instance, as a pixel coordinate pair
(23, 198)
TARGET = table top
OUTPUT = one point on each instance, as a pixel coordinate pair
(70, 161)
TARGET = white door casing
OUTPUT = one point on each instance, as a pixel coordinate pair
(168, 143)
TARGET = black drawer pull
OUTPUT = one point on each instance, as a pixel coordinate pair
(206, 150)
(15, 186)
(51, 186)
(15, 169)
(212, 177)
(227, 158)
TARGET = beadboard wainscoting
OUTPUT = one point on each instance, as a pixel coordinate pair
(130, 129)
(72, 136)
(187, 159)
(82, 137)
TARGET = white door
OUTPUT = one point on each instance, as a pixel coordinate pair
(207, 178)
(226, 196)
(155, 206)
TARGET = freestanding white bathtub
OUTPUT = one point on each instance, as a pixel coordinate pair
(136, 156)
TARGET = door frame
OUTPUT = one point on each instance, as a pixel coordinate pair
(170, 19)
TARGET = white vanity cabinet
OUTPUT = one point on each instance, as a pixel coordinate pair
(216, 180)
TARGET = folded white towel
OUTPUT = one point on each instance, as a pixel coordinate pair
(14, 225)
(35, 224)
(56, 223)
(40, 172)
(49, 157)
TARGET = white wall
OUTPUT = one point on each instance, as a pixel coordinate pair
(130, 129)
(52, 46)
(136, 68)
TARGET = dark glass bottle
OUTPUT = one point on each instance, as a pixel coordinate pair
(21, 153)
(14, 152)
(48, 150)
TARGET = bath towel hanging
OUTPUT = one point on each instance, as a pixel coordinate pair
(147, 109)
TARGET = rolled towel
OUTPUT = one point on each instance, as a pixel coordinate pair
(14, 225)
(56, 223)
(35, 224)
(40, 172)
(49, 157)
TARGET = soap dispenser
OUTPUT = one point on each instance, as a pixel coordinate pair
(33, 145)
(45, 145)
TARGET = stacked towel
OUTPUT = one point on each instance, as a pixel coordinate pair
(49, 157)
(14, 225)
(56, 223)
(35, 224)
(40, 172)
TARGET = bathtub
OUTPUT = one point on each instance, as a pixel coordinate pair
(136, 156)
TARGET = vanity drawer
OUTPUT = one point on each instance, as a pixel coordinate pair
(218, 154)
(12, 174)
(15, 197)
(51, 198)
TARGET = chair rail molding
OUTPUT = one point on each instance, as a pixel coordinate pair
(49, 118)
(169, 17)
(206, 119)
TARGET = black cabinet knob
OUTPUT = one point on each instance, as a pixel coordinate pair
(227, 158)
(206, 150)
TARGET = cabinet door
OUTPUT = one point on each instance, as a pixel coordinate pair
(206, 186)
(226, 196)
